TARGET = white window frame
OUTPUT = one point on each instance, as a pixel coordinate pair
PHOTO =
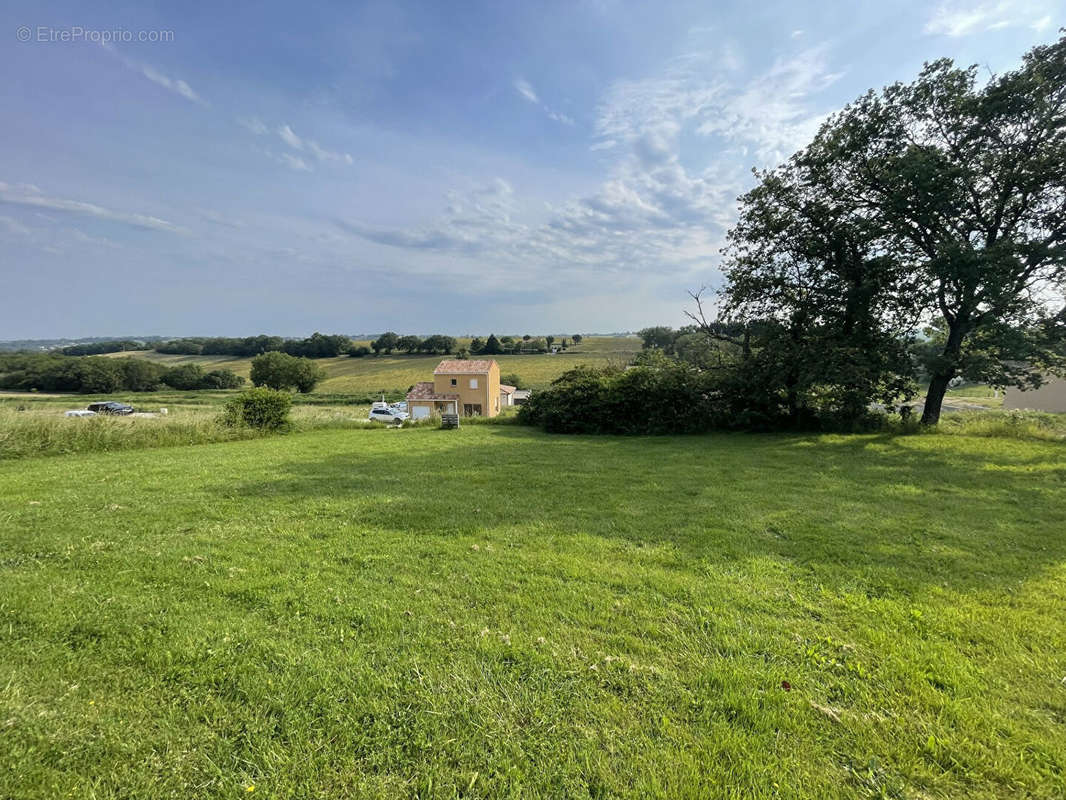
(473, 383)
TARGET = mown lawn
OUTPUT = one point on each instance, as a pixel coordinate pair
(494, 612)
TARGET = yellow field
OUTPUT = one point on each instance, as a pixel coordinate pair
(373, 374)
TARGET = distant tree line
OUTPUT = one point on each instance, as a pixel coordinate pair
(94, 375)
(317, 345)
(99, 348)
(391, 342)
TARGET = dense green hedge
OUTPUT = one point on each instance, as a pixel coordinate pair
(668, 397)
(662, 395)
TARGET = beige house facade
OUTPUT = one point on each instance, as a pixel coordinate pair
(1051, 396)
(469, 388)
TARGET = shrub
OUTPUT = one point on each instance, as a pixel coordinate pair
(359, 352)
(662, 396)
(265, 409)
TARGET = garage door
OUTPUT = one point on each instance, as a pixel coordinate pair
(419, 412)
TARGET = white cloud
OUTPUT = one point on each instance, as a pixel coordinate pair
(320, 153)
(175, 85)
(965, 17)
(525, 89)
(771, 115)
(1042, 24)
(327, 155)
(527, 92)
(30, 197)
(294, 162)
(656, 212)
(290, 138)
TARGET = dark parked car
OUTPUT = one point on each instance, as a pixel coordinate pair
(111, 407)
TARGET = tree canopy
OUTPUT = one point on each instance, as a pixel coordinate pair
(939, 202)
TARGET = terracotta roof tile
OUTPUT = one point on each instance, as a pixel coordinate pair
(423, 390)
(507, 388)
(463, 367)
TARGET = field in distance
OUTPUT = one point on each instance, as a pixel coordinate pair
(392, 374)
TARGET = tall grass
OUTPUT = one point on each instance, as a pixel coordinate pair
(1005, 424)
(40, 432)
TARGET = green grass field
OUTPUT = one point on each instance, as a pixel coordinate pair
(495, 612)
(392, 374)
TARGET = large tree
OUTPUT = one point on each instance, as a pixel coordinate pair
(387, 342)
(409, 343)
(492, 346)
(823, 307)
(966, 184)
(281, 371)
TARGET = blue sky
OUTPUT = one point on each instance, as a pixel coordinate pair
(422, 167)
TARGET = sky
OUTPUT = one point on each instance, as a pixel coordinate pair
(540, 167)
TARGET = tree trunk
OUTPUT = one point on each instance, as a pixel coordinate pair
(934, 398)
(938, 385)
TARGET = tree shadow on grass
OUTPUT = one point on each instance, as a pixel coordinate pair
(883, 510)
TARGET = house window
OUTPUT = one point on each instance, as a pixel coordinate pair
(455, 381)
(473, 383)
(472, 409)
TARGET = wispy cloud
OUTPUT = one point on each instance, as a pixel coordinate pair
(1042, 24)
(290, 138)
(321, 154)
(525, 89)
(653, 208)
(28, 196)
(294, 162)
(769, 116)
(962, 18)
(13, 226)
(96, 241)
(477, 221)
(175, 85)
(529, 94)
(254, 125)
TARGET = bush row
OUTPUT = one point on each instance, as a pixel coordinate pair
(95, 375)
(662, 395)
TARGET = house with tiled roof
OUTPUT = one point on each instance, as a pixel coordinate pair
(467, 387)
